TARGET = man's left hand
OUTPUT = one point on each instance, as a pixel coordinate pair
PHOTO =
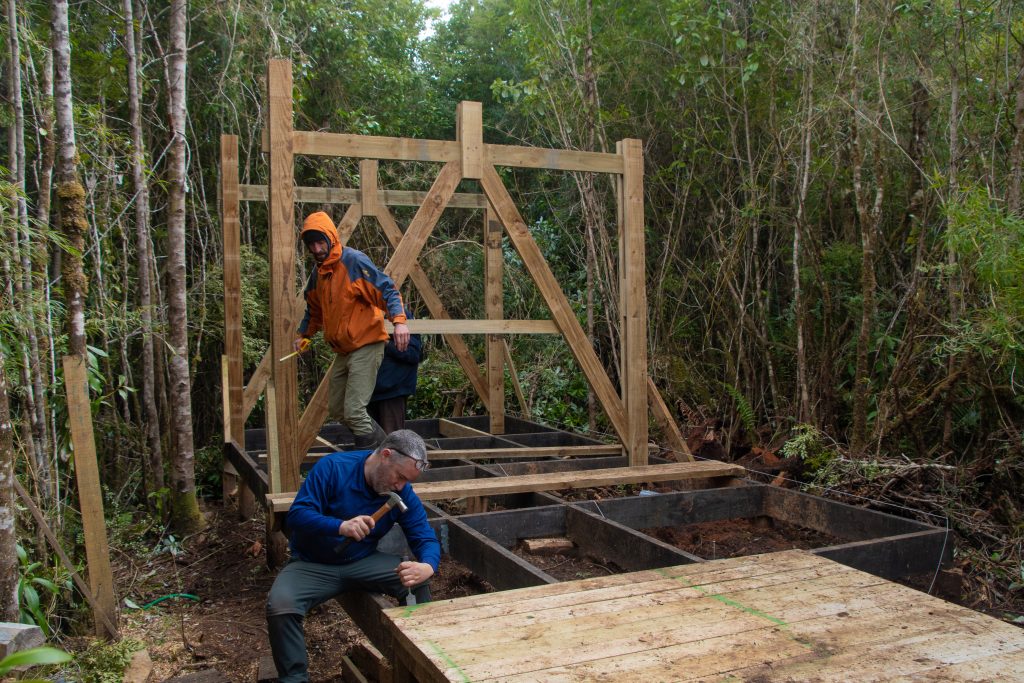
(401, 336)
(413, 573)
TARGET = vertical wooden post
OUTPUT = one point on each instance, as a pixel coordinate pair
(469, 131)
(494, 306)
(281, 206)
(633, 300)
(233, 384)
(94, 527)
(368, 186)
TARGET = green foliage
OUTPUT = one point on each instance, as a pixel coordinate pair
(106, 662)
(36, 656)
(807, 442)
(39, 589)
(743, 409)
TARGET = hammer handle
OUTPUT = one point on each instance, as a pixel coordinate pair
(381, 511)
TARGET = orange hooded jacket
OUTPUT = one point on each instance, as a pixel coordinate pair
(346, 295)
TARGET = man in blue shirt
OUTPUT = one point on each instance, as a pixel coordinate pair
(334, 541)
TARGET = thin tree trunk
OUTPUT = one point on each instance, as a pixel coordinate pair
(154, 479)
(804, 410)
(953, 191)
(8, 538)
(184, 505)
(70, 193)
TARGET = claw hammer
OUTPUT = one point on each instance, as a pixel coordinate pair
(394, 500)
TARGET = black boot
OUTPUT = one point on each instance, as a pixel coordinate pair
(371, 440)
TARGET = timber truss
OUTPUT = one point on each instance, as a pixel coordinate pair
(290, 435)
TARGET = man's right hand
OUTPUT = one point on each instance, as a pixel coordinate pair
(300, 344)
(356, 528)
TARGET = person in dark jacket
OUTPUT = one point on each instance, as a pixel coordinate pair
(334, 540)
(396, 382)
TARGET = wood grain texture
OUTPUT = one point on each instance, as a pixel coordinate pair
(494, 297)
(782, 616)
(90, 496)
(490, 327)
(234, 417)
(469, 132)
(338, 195)
(561, 311)
(284, 375)
(368, 186)
(633, 300)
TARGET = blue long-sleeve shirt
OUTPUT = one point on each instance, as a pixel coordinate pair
(336, 490)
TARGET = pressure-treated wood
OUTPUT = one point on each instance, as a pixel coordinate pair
(443, 151)
(90, 497)
(407, 253)
(368, 186)
(561, 311)
(435, 306)
(494, 308)
(489, 327)
(784, 616)
(469, 132)
(663, 417)
(454, 429)
(234, 421)
(633, 301)
(340, 195)
(284, 375)
(514, 374)
(554, 481)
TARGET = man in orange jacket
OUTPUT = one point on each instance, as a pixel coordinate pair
(347, 297)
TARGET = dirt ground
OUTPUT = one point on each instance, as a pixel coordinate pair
(225, 566)
(738, 537)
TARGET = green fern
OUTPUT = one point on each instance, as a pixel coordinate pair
(743, 408)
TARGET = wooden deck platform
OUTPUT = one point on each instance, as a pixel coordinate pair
(789, 616)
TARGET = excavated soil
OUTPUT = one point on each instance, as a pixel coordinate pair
(738, 537)
(225, 567)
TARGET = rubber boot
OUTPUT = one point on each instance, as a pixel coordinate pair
(371, 440)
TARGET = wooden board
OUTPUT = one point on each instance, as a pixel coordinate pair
(778, 617)
(491, 327)
(494, 262)
(284, 375)
(347, 195)
(554, 481)
(90, 496)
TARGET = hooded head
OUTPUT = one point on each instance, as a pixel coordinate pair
(321, 238)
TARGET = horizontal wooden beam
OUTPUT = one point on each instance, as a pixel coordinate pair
(447, 326)
(340, 195)
(531, 452)
(554, 481)
(454, 429)
(315, 143)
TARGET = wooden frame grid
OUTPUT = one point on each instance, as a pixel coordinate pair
(465, 157)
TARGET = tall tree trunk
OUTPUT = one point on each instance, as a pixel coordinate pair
(154, 479)
(32, 371)
(184, 505)
(70, 193)
(8, 539)
(953, 187)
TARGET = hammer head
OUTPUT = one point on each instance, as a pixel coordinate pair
(394, 500)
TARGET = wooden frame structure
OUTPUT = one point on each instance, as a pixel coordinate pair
(290, 434)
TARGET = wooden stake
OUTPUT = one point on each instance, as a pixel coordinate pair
(516, 386)
(282, 277)
(94, 527)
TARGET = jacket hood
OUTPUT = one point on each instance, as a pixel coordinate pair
(322, 223)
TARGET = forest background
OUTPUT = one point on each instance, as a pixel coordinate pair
(835, 245)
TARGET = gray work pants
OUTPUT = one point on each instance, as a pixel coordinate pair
(301, 586)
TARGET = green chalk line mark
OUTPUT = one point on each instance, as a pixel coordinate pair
(409, 609)
(439, 651)
(781, 623)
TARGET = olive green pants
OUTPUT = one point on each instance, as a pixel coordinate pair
(353, 377)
